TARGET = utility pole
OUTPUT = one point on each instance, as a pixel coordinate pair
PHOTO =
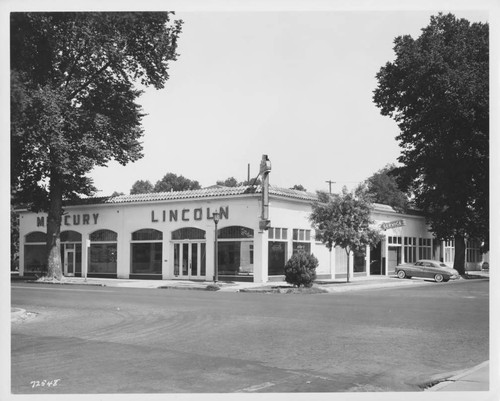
(330, 182)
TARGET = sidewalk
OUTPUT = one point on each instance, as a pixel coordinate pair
(474, 379)
(326, 286)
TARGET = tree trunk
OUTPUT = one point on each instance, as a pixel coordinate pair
(459, 260)
(348, 258)
(54, 218)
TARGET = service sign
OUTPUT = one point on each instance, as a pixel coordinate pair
(392, 224)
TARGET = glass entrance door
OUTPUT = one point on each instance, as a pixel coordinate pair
(190, 260)
(69, 262)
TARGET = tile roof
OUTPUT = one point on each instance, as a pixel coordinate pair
(209, 192)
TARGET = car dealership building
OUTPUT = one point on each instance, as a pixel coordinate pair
(173, 235)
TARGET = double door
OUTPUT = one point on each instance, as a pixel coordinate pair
(190, 260)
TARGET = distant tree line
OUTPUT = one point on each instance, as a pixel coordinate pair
(174, 182)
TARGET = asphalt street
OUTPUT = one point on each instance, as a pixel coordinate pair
(86, 339)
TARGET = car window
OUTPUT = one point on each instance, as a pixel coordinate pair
(418, 264)
(443, 265)
(428, 264)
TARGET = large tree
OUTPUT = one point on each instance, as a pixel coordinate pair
(382, 187)
(141, 187)
(344, 220)
(174, 182)
(73, 101)
(437, 91)
(228, 182)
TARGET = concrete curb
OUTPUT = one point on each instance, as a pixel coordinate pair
(327, 286)
(450, 380)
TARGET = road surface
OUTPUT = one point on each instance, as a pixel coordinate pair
(88, 339)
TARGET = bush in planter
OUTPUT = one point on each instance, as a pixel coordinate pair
(301, 269)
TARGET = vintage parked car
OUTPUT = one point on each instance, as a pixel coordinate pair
(427, 269)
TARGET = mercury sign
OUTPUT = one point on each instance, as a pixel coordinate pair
(392, 224)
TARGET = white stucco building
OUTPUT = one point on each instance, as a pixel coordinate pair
(172, 236)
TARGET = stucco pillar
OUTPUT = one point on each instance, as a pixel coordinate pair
(210, 252)
(260, 256)
(123, 265)
(367, 261)
(85, 254)
(385, 254)
(167, 263)
(351, 264)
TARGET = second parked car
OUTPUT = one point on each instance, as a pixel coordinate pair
(427, 269)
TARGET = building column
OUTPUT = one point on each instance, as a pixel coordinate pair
(21, 252)
(167, 263)
(85, 254)
(351, 264)
(210, 252)
(385, 255)
(260, 257)
(367, 261)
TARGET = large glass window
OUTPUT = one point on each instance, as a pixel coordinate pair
(103, 252)
(235, 257)
(35, 253)
(301, 240)
(188, 233)
(474, 254)
(359, 262)
(147, 251)
(410, 249)
(277, 253)
(449, 251)
(425, 248)
(235, 232)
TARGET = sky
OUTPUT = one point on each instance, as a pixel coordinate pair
(294, 85)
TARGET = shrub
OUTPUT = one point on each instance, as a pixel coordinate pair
(301, 269)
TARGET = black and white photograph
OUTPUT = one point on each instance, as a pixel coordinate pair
(250, 200)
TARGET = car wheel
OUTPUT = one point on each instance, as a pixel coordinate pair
(401, 274)
(439, 278)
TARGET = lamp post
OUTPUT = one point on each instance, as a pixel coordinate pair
(216, 252)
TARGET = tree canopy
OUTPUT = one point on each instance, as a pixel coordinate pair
(73, 100)
(229, 182)
(174, 182)
(437, 90)
(344, 220)
(382, 187)
(141, 187)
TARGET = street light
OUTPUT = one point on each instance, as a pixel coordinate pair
(216, 259)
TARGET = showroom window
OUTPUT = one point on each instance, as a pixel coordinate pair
(35, 253)
(474, 254)
(236, 251)
(425, 248)
(146, 252)
(449, 251)
(301, 240)
(277, 250)
(410, 249)
(103, 253)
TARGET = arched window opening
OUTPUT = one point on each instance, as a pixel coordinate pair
(146, 252)
(188, 233)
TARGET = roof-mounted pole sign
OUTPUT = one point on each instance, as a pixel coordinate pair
(265, 169)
